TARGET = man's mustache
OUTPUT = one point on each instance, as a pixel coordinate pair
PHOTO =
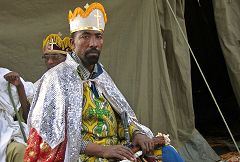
(93, 51)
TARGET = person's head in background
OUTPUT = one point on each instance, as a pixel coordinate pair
(55, 50)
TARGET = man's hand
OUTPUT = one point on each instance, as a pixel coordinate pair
(146, 143)
(118, 151)
(13, 78)
(110, 152)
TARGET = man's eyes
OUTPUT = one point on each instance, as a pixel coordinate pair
(88, 36)
(85, 36)
(99, 36)
(53, 56)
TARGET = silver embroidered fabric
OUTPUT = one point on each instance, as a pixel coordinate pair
(57, 106)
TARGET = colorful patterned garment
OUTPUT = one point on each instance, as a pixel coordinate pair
(38, 150)
(100, 124)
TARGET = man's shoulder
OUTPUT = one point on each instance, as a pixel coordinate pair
(60, 72)
(56, 69)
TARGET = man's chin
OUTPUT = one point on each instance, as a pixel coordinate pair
(93, 61)
(49, 67)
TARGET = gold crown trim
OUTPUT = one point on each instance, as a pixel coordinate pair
(79, 11)
(66, 43)
(55, 38)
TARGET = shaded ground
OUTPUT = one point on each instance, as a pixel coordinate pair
(224, 147)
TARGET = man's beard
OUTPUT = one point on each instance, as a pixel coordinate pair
(91, 57)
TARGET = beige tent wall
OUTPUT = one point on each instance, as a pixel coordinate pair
(227, 18)
(144, 53)
(23, 26)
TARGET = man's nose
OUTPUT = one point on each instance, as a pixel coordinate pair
(93, 42)
(50, 61)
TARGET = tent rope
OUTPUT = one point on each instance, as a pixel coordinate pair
(199, 68)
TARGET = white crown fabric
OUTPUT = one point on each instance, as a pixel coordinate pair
(93, 18)
(95, 21)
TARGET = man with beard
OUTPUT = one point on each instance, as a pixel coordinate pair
(76, 113)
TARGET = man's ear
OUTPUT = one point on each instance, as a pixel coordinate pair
(72, 43)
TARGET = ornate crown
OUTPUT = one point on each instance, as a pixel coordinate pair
(94, 18)
(54, 44)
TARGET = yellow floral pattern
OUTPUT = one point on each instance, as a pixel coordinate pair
(100, 123)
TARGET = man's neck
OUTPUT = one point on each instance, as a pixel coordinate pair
(90, 68)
